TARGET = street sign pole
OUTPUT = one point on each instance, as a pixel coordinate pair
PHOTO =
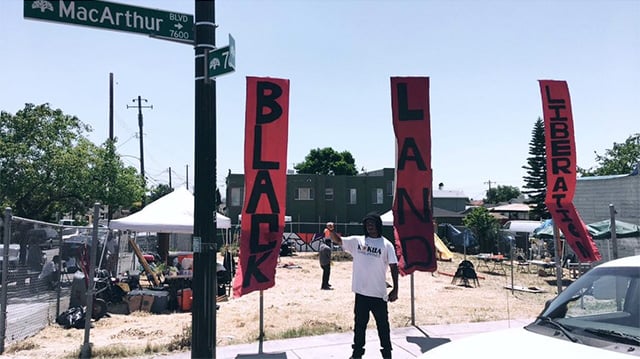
(203, 333)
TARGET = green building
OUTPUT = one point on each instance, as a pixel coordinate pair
(313, 200)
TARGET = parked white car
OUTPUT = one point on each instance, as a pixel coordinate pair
(597, 316)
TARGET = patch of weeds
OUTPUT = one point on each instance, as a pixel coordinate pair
(309, 328)
(23, 345)
(181, 341)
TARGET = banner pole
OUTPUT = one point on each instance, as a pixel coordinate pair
(413, 303)
(261, 336)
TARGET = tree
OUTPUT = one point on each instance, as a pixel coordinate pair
(623, 158)
(48, 167)
(536, 178)
(484, 226)
(159, 191)
(327, 161)
(502, 194)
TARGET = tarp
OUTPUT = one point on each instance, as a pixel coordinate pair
(598, 230)
(171, 213)
(444, 253)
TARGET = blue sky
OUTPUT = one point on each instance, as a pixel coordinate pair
(483, 59)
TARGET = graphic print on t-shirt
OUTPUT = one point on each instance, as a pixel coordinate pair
(369, 250)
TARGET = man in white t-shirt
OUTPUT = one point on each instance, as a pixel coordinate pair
(372, 254)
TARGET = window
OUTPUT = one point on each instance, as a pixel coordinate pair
(304, 194)
(328, 194)
(236, 196)
(352, 195)
(390, 188)
(377, 196)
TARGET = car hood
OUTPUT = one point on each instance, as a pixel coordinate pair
(517, 343)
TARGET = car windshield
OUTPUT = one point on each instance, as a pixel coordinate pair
(603, 304)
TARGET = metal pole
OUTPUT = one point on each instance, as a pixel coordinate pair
(413, 303)
(5, 268)
(556, 238)
(85, 352)
(612, 228)
(204, 246)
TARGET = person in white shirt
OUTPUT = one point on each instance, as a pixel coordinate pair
(50, 274)
(372, 254)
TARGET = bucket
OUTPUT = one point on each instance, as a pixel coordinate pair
(185, 298)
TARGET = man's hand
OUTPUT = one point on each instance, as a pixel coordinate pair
(393, 295)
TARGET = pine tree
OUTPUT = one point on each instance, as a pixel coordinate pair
(536, 178)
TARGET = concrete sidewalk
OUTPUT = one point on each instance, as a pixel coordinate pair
(408, 342)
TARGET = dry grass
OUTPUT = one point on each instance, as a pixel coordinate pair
(297, 307)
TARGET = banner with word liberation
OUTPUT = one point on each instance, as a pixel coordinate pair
(412, 209)
(561, 169)
(265, 165)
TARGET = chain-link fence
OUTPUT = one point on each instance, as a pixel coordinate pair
(38, 263)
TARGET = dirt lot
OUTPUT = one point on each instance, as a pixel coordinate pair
(297, 306)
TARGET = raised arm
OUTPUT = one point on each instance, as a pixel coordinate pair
(335, 237)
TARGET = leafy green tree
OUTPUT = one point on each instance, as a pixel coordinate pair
(536, 178)
(159, 191)
(48, 167)
(327, 161)
(502, 194)
(623, 158)
(484, 226)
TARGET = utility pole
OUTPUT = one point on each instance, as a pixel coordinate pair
(203, 333)
(140, 107)
(170, 186)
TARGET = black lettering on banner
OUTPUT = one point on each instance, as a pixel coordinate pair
(564, 213)
(415, 241)
(559, 130)
(560, 148)
(254, 271)
(263, 185)
(560, 185)
(552, 100)
(254, 238)
(582, 249)
(556, 109)
(403, 196)
(267, 100)
(561, 164)
(409, 144)
(258, 163)
(573, 229)
(404, 113)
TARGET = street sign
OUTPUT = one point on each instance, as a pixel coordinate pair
(113, 16)
(223, 60)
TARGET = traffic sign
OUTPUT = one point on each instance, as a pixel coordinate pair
(114, 16)
(223, 60)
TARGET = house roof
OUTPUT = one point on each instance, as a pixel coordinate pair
(512, 207)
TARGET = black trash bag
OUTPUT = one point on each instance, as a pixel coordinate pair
(73, 317)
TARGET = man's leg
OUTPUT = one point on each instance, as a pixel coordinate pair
(325, 276)
(381, 315)
(361, 318)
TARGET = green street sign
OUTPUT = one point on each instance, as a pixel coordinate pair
(113, 16)
(223, 60)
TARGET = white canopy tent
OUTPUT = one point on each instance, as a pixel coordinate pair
(172, 213)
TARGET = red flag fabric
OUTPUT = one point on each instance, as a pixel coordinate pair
(412, 209)
(561, 169)
(265, 165)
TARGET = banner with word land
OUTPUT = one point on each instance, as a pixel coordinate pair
(265, 165)
(412, 209)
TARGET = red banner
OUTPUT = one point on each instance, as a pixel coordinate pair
(412, 209)
(561, 169)
(265, 166)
